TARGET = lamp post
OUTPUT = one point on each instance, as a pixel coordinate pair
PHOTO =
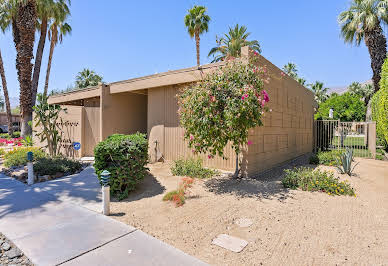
(30, 168)
(105, 177)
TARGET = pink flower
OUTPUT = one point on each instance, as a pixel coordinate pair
(249, 142)
(283, 74)
(265, 96)
(191, 137)
(246, 95)
(212, 98)
(242, 97)
(210, 156)
(193, 151)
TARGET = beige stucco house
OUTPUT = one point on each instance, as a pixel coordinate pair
(148, 104)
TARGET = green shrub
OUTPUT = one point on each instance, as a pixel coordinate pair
(125, 157)
(379, 104)
(314, 159)
(329, 157)
(2, 152)
(192, 168)
(51, 166)
(18, 156)
(316, 180)
(15, 134)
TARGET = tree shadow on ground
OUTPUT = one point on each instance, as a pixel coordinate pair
(147, 188)
(266, 185)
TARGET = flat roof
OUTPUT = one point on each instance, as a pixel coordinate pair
(173, 77)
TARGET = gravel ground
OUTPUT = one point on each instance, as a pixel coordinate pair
(10, 254)
(289, 227)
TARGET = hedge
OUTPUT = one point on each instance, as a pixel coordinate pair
(125, 157)
(380, 106)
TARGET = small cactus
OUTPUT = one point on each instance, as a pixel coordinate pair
(344, 162)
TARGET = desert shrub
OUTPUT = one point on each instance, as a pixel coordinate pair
(345, 161)
(178, 196)
(314, 159)
(18, 156)
(192, 168)
(51, 166)
(125, 157)
(329, 157)
(316, 180)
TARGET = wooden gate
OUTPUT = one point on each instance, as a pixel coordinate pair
(91, 130)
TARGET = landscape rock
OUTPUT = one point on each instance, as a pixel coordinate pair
(5, 246)
(13, 253)
(230, 243)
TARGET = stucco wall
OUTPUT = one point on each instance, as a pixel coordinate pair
(72, 131)
(124, 113)
(288, 129)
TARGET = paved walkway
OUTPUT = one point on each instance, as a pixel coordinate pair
(57, 222)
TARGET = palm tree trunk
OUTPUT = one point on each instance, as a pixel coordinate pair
(52, 45)
(38, 59)
(197, 39)
(377, 47)
(24, 41)
(6, 97)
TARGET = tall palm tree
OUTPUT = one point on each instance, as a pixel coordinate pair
(363, 22)
(231, 43)
(320, 93)
(197, 22)
(58, 28)
(45, 10)
(87, 78)
(6, 97)
(23, 29)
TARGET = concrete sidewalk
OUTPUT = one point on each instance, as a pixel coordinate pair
(47, 224)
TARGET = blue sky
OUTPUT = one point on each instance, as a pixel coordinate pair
(126, 39)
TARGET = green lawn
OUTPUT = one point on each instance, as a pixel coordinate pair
(350, 141)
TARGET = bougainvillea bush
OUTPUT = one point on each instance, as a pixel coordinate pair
(11, 141)
(223, 107)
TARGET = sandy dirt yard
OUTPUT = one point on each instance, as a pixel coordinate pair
(289, 227)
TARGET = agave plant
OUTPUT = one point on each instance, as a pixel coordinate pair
(344, 162)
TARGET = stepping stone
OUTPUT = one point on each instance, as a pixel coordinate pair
(244, 222)
(230, 242)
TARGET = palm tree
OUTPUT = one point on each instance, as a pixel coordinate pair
(363, 22)
(57, 30)
(6, 97)
(197, 22)
(231, 43)
(291, 70)
(365, 91)
(45, 10)
(23, 29)
(87, 78)
(320, 93)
